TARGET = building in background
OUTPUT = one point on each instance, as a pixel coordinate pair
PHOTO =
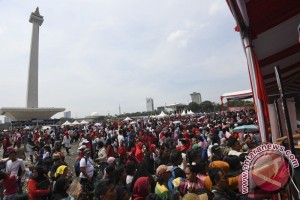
(149, 104)
(67, 114)
(196, 97)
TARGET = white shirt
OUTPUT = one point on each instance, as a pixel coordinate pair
(67, 141)
(102, 156)
(12, 167)
(89, 168)
(234, 152)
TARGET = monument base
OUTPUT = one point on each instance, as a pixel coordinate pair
(19, 114)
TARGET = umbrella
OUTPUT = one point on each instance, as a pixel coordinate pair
(177, 122)
(246, 128)
(133, 122)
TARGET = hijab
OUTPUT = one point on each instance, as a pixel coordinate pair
(140, 189)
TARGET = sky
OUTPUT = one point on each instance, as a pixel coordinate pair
(97, 55)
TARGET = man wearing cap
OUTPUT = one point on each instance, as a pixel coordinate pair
(15, 167)
(57, 163)
(163, 173)
(86, 172)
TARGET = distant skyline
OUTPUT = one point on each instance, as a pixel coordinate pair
(95, 56)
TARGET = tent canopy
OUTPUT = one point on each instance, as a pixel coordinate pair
(245, 94)
(271, 27)
(127, 119)
(75, 122)
(162, 114)
(83, 122)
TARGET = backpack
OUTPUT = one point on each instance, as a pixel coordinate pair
(170, 182)
(77, 166)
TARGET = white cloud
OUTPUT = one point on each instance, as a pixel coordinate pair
(95, 55)
(179, 37)
(217, 7)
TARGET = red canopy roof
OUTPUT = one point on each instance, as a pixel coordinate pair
(271, 27)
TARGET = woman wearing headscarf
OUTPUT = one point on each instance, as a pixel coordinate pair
(61, 171)
(141, 188)
(139, 154)
(38, 185)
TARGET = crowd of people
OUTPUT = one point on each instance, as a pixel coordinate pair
(176, 157)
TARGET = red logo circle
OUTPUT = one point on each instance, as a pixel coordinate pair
(270, 171)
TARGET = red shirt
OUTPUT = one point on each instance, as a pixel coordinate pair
(110, 151)
(122, 152)
(10, 185)
(34, 192)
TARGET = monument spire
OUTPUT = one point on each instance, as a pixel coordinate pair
(32, 112)
(32, 88)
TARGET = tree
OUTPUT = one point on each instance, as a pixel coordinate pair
(207, 106)
(194, 107)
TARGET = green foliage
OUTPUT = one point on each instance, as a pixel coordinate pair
(239, 103)
(207, 106)
(194, 107)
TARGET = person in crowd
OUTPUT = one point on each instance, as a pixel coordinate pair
(10, 186)
(109, 173)
(122, 193)
(30, 148)
(20, 151)
(139, 154)
(111, 161)
(122, 151)
(120, 176)
(15, 167)
(130, 171)
(235, 167)
(163, 173)
(220, 186)
(216, 153)
(109, 149)
(60, 190)
(105, 190)
(87, 172)
(141, 188)
(102, 156)
(5, 144)
(57, 161)
(175, 160)
(164, 155)
(235, 145)
(39, 186)
(192, 182)
(67, 143)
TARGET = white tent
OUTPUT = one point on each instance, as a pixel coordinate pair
(162, 114)
(67, 123)
(190, 112)
(75, 122)
(127, 119)
(183, 113)
(83, 122)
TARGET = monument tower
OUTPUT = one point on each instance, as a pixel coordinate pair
(33, 84)
(32, 111)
